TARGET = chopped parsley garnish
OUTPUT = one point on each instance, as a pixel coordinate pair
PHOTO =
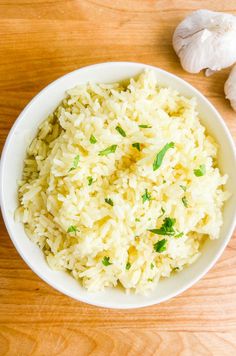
(106, 261)
(175, 268)
(136, 145)
(92, 139)
(164, 181)
(200, 171)
(72, 228)
(145, 126)
(162, 213)
(166, 228)
(136, 219)
(90, 180)
(185, 202)
(76, 160)
(152, 265)
(108, 150)
(75, 163)
(183, 187)
(146, 196)
(180, 234)
(150, 279)
(128, 265)
(160, 246)
(109, 201)
(160, 155)
(121, 131)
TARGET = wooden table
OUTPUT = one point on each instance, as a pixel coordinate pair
(40, 41)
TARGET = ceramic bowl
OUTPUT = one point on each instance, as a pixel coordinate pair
(14, 152)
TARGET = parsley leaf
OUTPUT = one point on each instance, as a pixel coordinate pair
(145, 126)
(160, 155)
(200, 171)
(146, 196)
(136, 145)
(185, 202)
(106, 261)
(109, 201)
(72, 228)
(159, 246)
(180, 234)
(183, 187)
(163, 212)
(92, 139)
(75, 163)
(121, 131)
(136, 219)
(128, 265)
(150, 279)
(90, 180)
(152, 265)
(166, 228)
(108, 150)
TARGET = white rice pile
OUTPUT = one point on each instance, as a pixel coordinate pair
(95, 182)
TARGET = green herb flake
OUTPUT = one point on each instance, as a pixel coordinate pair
(137, 146)
(93, 139)
(164, 181)
(183, 187)
(146, 196)
(162, 213)
(90, 180)
(145, 126)
(106, 261)
(108, 150)
(128, 265)
(175, 268)
(160, 155)
(160, 246)
(72, 228)
(152, 265)
(200, 171)
(75, 163)
(109, 201)
(180, 234)
(185, 202)
(136, 219)
(166, 228)
(121, 131)
(150, 279)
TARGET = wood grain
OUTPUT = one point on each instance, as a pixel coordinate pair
(39, 41)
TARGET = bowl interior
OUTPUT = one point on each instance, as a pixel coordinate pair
(25, 129)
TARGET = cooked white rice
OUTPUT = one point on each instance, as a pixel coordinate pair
(66, 181)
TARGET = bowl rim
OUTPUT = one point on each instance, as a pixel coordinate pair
(11, 233)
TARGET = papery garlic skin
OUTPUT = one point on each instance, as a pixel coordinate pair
(230, 88)
(206, 40)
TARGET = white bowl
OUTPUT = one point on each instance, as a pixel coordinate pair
(13, 154)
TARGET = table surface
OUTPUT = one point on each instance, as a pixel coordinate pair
(40, 41)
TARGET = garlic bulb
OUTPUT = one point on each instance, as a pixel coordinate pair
(230, 88)
(206, 40)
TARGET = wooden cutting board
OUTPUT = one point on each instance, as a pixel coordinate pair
(41, 40)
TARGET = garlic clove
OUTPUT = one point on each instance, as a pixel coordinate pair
(209, 72)
(230, 88)
(206, 40)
